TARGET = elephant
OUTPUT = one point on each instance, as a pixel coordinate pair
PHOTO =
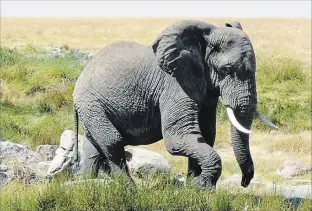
(132, 94)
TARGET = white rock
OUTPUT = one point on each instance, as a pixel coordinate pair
(66, 141)
(291, 168)
(145, 162)
(65, 154)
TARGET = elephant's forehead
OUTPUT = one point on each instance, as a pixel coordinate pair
(234, 32)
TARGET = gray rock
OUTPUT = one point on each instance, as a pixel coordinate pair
(5, 175)
(292, 168)
(21, 163)
(142, 162)
(236, 179)
(299, 191)
(25, 174)
(47, 152)
(19, 153)
(42, 168)
(4, 178)
(3, 168)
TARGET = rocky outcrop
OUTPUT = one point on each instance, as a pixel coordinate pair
(18, 152)
(18, 162)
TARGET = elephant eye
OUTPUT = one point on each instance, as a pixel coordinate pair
(227, 69)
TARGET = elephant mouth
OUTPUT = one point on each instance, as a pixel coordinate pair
(239, 127)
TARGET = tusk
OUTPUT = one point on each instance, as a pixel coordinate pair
(234, 121)
(265, 120)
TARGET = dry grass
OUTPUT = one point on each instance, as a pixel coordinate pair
(292, 35)
(291, 143)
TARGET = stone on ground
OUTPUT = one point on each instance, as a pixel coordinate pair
(65, 154)
(292, 168)
(142, 162)
(47, 152)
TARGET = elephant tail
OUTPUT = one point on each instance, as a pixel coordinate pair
(75, 136)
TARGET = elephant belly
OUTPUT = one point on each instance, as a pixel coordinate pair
(139, 127)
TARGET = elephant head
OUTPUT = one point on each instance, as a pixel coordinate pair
(215, 61)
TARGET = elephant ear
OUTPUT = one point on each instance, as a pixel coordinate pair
(179, 48)
(180, 51)
(234, 24)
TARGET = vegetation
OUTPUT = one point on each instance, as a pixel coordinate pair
(36, 100)
(156, 193)
(36, 107)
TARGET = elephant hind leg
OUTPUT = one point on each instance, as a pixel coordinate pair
(91, 158)
(104, 144)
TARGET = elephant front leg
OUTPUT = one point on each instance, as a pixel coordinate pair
(195, 148)
(182, 136)
(207, 124)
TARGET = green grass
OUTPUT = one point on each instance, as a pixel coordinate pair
(154, 194)
(284, 91)
(36, 96)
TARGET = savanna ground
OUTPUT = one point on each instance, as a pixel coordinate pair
(36, 107)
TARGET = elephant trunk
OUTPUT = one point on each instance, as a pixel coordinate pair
(240, 142)
(240, 98)
(245, 112)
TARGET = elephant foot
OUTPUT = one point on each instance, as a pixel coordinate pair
(204, 183)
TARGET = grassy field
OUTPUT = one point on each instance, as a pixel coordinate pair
(36, 105)
(153, 194)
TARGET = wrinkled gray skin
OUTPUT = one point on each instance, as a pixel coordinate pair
(130, 94)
